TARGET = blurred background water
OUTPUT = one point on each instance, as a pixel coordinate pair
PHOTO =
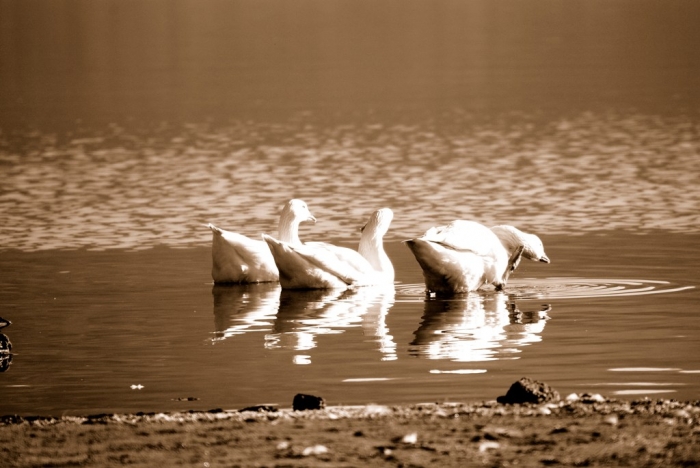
(125, 125)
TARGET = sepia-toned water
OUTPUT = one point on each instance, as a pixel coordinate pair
(125, 127)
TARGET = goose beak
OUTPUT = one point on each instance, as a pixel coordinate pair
(311, 218)
(544, 259)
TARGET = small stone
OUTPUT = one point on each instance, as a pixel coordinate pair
(259, 409)
(611, 420)
(314, 450)
(386, 451)
(304, 402)
(497, 432)
(592, 398)
(488, 445)
(411, 438)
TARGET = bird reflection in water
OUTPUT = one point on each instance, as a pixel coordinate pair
(244, 308)
(293, 319)
(303, 315)
(476, 328)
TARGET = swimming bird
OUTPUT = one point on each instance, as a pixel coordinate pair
(319, 265)
(240, 259)
(465, 255)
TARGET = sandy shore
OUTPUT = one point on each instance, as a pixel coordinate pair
(587, 432)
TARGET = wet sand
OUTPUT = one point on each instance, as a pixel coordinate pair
(588, 432)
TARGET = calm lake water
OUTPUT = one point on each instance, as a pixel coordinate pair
(126, 126)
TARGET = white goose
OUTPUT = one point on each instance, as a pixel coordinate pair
(240, 259)
(465, 255)
(317, 265)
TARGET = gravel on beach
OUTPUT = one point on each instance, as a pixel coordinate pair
(581, 430)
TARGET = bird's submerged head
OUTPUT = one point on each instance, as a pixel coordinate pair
(534, 249)
(511, 237)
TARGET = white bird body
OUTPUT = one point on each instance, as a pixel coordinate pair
(460, 257)
(463, 256)
(318, 265)
(240, 259)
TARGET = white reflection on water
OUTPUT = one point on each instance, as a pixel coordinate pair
(114, 188)
(476, 328)
(482, 326)
(293, 319)
(244, 308)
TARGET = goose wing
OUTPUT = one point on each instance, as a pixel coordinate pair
(464, 236)
(237, 258)
(309, 267)
(346, 264)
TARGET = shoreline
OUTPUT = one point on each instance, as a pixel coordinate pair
(587, 431)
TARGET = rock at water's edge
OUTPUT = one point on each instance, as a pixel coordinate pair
(527, 390)
(307, 402)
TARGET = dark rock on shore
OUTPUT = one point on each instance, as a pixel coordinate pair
(304, 402)
(527, 390)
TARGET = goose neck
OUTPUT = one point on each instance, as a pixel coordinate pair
(372, 249)
(289, 230)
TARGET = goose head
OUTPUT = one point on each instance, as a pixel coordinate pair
(378, 224)
(298, 210)
(534, 249)
(512, 237)
(294, 212)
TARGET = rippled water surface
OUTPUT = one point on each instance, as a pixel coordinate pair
(124, 190)
(124, 129)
